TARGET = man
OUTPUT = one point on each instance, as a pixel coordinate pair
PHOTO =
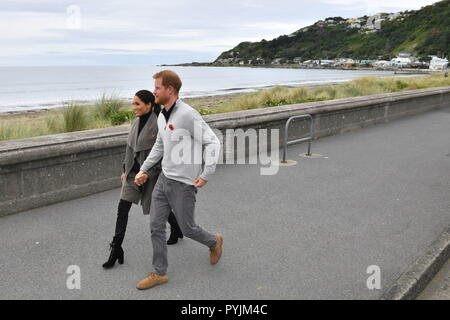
(177, 184)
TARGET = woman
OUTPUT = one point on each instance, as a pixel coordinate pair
(141, 138)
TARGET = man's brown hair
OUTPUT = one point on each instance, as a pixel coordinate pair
(169, 78)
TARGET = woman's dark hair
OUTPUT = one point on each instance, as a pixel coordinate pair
(148, 98)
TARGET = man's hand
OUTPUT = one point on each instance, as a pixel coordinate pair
(200, 182)
(141, 178)
(122, 177)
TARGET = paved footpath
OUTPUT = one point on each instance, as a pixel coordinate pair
(379, 196)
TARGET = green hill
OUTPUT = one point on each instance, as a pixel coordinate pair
(422, 32)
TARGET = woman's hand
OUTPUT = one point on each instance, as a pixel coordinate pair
(122, 177)
(141, 178)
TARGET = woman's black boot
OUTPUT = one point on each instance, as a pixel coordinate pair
(175, 231)
(121, 227)
(116, 254)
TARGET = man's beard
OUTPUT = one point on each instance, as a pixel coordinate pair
(161, 101)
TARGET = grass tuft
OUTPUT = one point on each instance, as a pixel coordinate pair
(108, 109)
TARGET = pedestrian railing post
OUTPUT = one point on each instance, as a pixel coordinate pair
(286, 132)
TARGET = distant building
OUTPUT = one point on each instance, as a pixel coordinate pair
(400, 62)
(374, 23)
(311, 63)
(278, 61)
(344, 62)
(382, 64)
(437, 63)
(330, 22)
(403, 60)
(367, 62)
(349, 62)
(393, 16)
(327, 62)
(353, 20)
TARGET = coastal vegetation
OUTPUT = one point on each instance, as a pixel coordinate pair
(421, 32)
(106, 112)
(111, 110)
(360, 87)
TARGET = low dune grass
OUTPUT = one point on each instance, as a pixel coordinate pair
(107, 106)
(111, 110)
(278, 95)
(74, 118)
(18, 129)
(106, 112)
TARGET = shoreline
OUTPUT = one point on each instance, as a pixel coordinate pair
(201, 102)
(296, 66)
(208, 102)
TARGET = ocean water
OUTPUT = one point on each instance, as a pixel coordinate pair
(25, 88)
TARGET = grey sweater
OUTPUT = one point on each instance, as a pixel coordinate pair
(181, 142)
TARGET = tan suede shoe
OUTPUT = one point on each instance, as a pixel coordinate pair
(152, 280)
(216, 253)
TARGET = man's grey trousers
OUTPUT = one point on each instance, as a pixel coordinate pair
(180, 197)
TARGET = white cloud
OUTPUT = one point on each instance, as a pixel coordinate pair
(252, 5)
(39, 27)
(375, 6)
(25, 25)
(273, 25)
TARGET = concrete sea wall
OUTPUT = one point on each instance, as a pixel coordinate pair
(43, 170)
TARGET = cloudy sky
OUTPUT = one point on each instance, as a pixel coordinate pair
(102, 32)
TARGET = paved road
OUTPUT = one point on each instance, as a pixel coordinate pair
(381, 197)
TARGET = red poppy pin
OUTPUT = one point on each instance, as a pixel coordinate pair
(171, 127)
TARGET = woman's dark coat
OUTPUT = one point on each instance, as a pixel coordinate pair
(139, 147)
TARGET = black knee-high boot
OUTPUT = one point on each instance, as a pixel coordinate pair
(175, 231)
(121, 227)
